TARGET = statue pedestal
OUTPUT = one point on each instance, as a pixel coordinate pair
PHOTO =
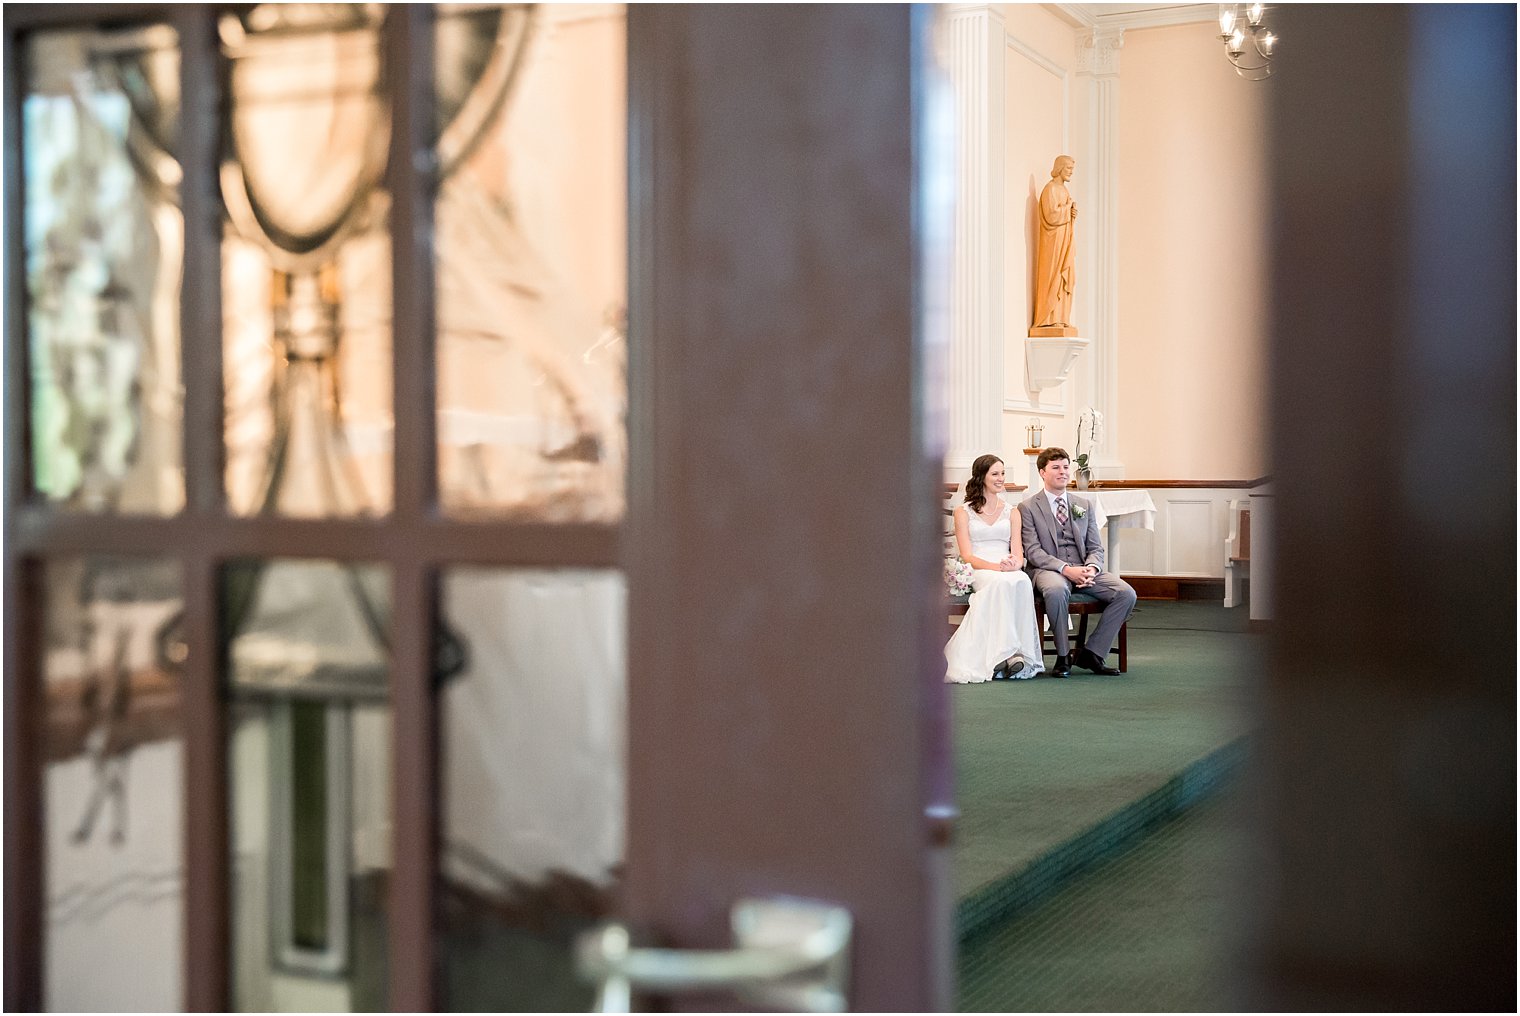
(1048, 358)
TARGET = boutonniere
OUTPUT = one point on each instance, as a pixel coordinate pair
(1078, 511)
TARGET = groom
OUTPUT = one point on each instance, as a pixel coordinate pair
(1062, 551)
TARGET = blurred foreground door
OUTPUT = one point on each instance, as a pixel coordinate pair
(333, 698)
(786, 725)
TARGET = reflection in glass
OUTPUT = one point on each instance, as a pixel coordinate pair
(310, 788)
(306, 263)
(103, 238)
(532, 273)
(113, 788)
(533, 785)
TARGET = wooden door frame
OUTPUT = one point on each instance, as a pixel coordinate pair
(787, 718)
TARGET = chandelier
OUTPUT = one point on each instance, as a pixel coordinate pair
(1248, 42)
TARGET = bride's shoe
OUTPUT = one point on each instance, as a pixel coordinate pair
(1008, 669)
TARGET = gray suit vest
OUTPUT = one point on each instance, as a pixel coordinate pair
(1067, 547)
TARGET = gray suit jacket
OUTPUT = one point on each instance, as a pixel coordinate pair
(1039, 524)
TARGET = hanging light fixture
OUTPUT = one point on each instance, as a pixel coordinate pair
(1248, 42)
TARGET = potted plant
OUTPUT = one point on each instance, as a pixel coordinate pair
(1089, 433)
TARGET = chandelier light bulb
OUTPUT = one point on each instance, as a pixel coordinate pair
(1248, 42)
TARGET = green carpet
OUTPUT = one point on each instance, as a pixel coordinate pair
(1148, 931)
(1054, 775)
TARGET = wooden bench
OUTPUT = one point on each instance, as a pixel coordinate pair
(1081, 604)
(1237, 554)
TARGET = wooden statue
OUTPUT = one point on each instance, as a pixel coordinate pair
(1055, 271)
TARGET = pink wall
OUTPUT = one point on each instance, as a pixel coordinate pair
(1192, 260)
(1044, 118)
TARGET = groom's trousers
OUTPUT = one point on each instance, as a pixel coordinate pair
(1116, 595)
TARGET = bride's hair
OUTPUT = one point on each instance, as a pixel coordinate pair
(976, 487)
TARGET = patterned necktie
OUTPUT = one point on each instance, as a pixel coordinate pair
(1061, 511)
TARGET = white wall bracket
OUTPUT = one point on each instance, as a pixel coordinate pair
(1048, 360)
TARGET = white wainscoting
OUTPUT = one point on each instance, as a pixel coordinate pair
(1188, 542)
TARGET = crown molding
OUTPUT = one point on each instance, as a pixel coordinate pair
(1090, 16)
(1162, 17)
(568, 14)
(994, 11)
(1077, 14)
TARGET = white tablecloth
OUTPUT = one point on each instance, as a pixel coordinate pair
(1125, 509)
(1120, 509)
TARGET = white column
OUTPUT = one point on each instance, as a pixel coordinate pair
(1099, 64)
(977, 46)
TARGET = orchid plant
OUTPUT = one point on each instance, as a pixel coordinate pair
(1089, 433)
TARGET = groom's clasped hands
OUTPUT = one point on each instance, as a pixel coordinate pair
(1080, 576)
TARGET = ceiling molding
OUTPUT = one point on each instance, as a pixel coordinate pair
(1162, 17)
(1135, 16)
(1077, 14)
(566, 14)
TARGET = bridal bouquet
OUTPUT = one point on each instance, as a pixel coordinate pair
(958, 577)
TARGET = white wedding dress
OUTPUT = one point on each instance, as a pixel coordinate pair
(1000, 622)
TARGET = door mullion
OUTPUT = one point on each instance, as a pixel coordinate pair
(24, 818)
(18, 444)
(208, 866)
(40, 530)
(207, 946)
(412, 180)
(415, 812)
(409, 70)
(23, 603)
(201, 288)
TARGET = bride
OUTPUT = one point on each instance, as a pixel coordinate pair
(999, 634)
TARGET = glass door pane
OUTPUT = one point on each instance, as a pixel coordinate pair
(306, 264)
(532, 273)
(103, 247)
(310, 764)
(533, 782)
(113, 787)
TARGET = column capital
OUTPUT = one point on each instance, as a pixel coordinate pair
(1098, 52)
(993, 11)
